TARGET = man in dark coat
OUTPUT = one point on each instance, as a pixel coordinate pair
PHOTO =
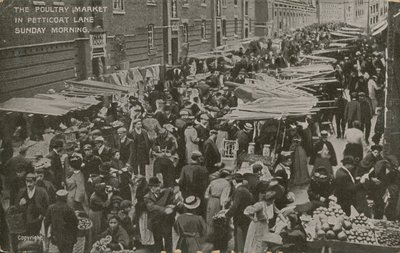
(64, 223)
(241, 199)
(193, 180)
(57, 174)
(91, 162)
(140, 148)
(160, 207)
(339, 115)
(125, 145)
(243, 138)
(212, 157)
(366, 115)
(352, 111)
(202, 130)
(345, 186)
(34, 201)
(318, 147)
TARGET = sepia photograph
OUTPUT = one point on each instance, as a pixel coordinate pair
(199, 126)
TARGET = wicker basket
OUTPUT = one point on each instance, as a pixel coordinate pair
(15, 218)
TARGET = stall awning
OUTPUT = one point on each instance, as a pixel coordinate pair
(98, 86)
(379, 28)
(36, 106)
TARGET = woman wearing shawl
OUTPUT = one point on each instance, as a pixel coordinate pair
(300, 167)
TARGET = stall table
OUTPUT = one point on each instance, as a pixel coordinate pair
(349, 247)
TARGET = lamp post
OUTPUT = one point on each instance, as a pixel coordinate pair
(368, 13)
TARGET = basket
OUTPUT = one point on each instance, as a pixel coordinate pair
(15, 218)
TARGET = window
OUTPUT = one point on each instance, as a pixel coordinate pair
(118, 6)
(150, 36)
(224, 3)
(174, 8)
(151, 2)
(236, 26)
(203, 29)
(250, 24)
(185, 3)
(224, 27)
(218, 8)
(246, 8)
(204, 3)
(185, 32)
(235, 2)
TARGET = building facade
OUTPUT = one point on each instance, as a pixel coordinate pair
(113, 35)
(369, 13)
(331, 11)
(283, 15)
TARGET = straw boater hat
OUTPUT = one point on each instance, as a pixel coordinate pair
(191, 202)
(248, 126)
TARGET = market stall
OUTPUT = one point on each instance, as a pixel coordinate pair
(331, 228)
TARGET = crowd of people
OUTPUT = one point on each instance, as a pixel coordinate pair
(151, 166)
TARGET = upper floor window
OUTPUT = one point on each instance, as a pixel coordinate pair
(236, 26)
(218, 7)
(118, 6)
(185, 32)
(224, 27)
(174, 9)
(235, 2)
(185, 2)
(203, 29)
(246, 8)
(150, 36)
(151, 2)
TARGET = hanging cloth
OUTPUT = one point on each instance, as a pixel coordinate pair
(135, 74)
(115, 79)
(156, 71)
(123, 77)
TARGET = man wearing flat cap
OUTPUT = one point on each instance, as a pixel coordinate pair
(63, 222)
(352, 111)
(241, 199)
(366, 115)
(34, 201)
(101, 150)
(139, 153)
(345, 185)
(203, 129)
(91, 162)
(56, 169)
(212, 156)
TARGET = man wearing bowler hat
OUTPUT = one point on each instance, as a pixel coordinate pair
(63, 222)
(140, 148)
(212, 156)
(244, 137)
(56, 169)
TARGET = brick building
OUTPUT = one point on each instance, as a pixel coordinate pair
(283, 15)
(123, 35)
(369, 13)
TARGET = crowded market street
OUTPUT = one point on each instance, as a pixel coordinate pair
(165, 126)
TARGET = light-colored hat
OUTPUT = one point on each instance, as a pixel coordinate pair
(99, 139)
(192, 202)
(248, 126)
(324, 132)
(62, 193)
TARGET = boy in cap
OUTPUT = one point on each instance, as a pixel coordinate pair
(63, 222)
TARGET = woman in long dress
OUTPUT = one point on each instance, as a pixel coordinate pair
(98, 203)
(191, 140)
(263, 215)
(323, 159)
(300, 167)
(216, 195)
(191, 228)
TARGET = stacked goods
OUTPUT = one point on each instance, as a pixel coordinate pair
(361, 235)
(383, 224)
(360, 220)
(330, 222)
(388, 238)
